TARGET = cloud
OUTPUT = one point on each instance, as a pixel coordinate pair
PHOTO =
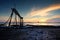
(42, 19)
(55, 18)
(31, 20)
(3, 18)
(43, 12)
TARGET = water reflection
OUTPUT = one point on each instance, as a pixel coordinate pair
(55, 24)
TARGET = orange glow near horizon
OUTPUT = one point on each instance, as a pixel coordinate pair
(43, 19)
(36, 20)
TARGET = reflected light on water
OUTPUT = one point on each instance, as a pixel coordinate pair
(55, 24)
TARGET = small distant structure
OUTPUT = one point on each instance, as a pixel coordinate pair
(9, 21)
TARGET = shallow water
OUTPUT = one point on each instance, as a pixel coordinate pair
(25, 23)
(55, 24)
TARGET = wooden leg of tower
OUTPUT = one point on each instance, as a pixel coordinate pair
(21, 22)
(9, 22)
(16, 19)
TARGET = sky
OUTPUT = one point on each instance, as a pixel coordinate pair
(31, 10)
